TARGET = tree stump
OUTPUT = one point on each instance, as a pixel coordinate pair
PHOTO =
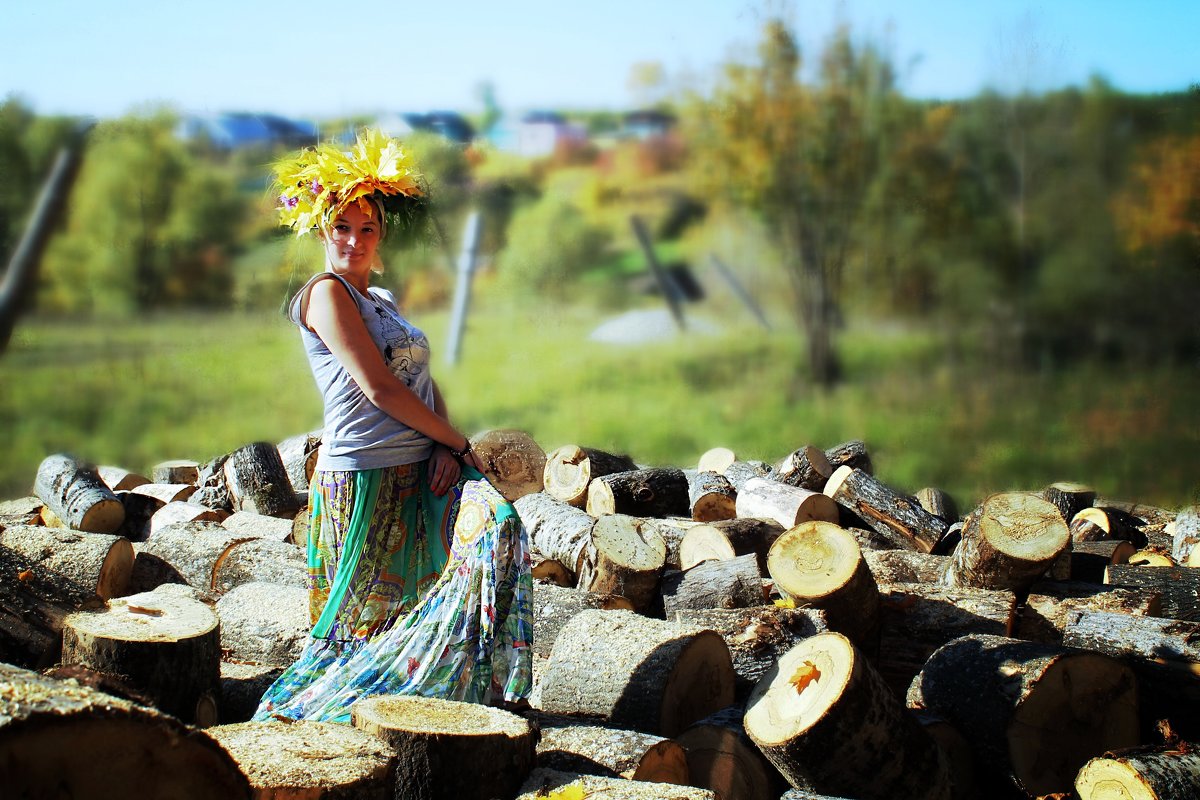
(544, 783)
(635, 672)
(60, 739)
(851, 454)
(1179, 587)
(264, 623)
(512, 461)
(655, 492)
(447, 749)
(570, 469)
(120, 479)
(1161, 773)
(789, 506)
(166, 646)
(1050, 604)
(818, 564)
(711, 497)
(731, 583)
(626, 558)
(721, 757)
(568, 746)
(97, 563)
(257, 481)
(559, 536)
(555, 606)
(805, 468)
(299, 456)
(1035, 713)
(904, 566)
(729, 538)
(827, 721)
(75, 493)
(309, 760)
(261, 561)
(882, 508)
(1007, 543)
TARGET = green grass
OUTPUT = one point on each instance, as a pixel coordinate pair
(136, 393)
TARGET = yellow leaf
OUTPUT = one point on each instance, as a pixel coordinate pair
(786, 602)
(572, 791)
(805, 674)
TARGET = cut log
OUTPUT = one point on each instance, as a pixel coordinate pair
(959, 757)
(180, 470)
(309, 760)
(756, 637)
(626, 558)
(818, 564)
(1146, 774)
(634, 672)
(555, 606)
(120, 479)
(1069, 498)
(805, 468)
(166, 492)
(242, 689)
(299, 456)
(1179, 587)
(655, 492)
(851, 454)
(765, 498)
(1044, 615)
(166, 646)
(1090, 559)
(673, 530)
(917, 619)
(1009, 542)
(261, 561)
(21, 511)
(259, 526)
(513, 462)
(301, 525)
(139, 510)
(75, 493)
(435, 740)
(568, 746)
(938, 503)
(543, 784)
(95, 562)
(570, 469)
(729, 583)
(729, 538)
(1097, 524)
(1151, 558)
(180, 512)
(213, 491)
(1035, 713)
(60, 739)
(716, 459)
(264, 623)
(721, 757)
(1185, 536)
(257, 481)
(883, 508)
(558, 532)
(741, 471)
(827, 721)
(711, 497)
(189, 552)
(904, 566)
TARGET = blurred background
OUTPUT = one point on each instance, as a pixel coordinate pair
(965, 233)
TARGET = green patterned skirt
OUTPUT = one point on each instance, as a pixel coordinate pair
(410, 593)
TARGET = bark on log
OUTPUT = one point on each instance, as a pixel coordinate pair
(434, 741)
(883, 508)
(543, 783)
(904, 566)
(655, 492)
(166, 646)
(1009, 542)
(166, 492)
(264, 623)
(299, 456)
(741, 471)
(1179, 587)
(213, 491)
(257, 481)
(555, 606)
(937, 503)
(513, 462)
(1090, 559)
(730, 583)
(1044, 615)
(139, 510)
(309, 760)
(826, 719)
(558, 532)
(716, 459)
(721, 757)
(1146, 774)
(95, 562)
(729, 538)
(75, 493)
(959, 756)
(120, 479)
(21, 511)
(179, 513)
(179, 470)
(818, 564)
(673, 530)
(60, 739)
(1098, 524)
(851, 454)
(570, 469)
(242, 689)
(188, 553)
(1069, 498)
(916, 619)
(805, 468)
(711, 497)
(1185, 537)
(756, 637)
(259, 526)
(261, 561)
(568, 746)
(766, 498)
(626, 558)
(635, 672)
(1034, 712)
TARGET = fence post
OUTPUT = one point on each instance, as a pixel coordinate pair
(462, 287)
(740, 291)
(666, 283)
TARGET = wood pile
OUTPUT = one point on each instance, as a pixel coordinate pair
(732, 629)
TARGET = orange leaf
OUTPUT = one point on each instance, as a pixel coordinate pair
(805, 674)
(25, 575)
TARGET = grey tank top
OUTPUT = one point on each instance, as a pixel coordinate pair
(358, 435)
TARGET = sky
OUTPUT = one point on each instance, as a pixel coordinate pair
(327, 59)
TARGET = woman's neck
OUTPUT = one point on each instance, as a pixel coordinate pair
(358, 281)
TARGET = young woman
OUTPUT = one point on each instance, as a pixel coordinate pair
(418, 568)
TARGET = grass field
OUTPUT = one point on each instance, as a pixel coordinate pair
(196, 386)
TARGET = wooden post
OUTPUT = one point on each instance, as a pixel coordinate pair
(462, 289)
(670, 291)
(740, 291)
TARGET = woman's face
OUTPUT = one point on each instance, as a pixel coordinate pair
(351, 240)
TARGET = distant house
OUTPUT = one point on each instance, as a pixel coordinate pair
(236, 130)
(646, 124)
(451, 125)
(536, 134)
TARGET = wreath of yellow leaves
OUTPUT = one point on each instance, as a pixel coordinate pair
(318, 182)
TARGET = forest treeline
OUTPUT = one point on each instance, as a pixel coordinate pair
(1032, 227)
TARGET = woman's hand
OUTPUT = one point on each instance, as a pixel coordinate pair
(444, 469)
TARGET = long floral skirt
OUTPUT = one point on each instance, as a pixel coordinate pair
(409, 593)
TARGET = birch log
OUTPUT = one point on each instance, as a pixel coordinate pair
(95, 562)
(626, 557)
(299, 456)
(1161, 773)
(1185, 536)
(729, 538)
(655, 492)
(571, 468)
(711, 497)
(75, 493)
(559, 536)
(120, 479)
(789, 506)
(512, 461)
(257, 481)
